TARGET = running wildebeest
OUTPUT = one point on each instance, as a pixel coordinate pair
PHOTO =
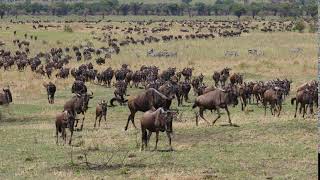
(155, 121)
(64, 120)
(51, 90)
(216, 99)
(101, 111)
(151, 98)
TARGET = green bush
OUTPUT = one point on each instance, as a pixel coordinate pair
(67, 28)
(300, 26)
(312, 28)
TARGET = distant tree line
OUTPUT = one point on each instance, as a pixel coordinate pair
(113, 7)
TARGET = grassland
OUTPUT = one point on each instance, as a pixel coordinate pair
(262, 147)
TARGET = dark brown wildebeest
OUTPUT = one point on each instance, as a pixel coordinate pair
(51, 90)
(5, 97)
(214, 100)
(78, 87)
(216, 78)
(101, 111)
(187, 73)
(273, 96)
(78, 104)
(156, 121)
(64, 120)
(305, 98)
(151, 98)
(236, 78)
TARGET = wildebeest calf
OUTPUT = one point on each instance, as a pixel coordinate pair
(101, 111)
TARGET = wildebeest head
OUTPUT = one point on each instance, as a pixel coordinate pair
(84, 99)
(165, 119)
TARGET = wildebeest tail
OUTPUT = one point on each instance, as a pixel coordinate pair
(117, 99)
(292, 100)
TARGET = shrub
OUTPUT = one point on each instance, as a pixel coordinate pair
(67, 28)
(312, 28)
(300, 26)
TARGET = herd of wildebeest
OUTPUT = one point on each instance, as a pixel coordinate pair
(160, 87)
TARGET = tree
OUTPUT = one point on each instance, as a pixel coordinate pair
(108, 6)
(300, 26)
(124, 8)
(3, 8)
(255, 8)
(238, 9)
(187, 4)
(135, 7)
(200, 8)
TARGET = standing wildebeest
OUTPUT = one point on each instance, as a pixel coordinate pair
(214, 100)
(64, 120)
(78, 104)
(216, 78)
(5, 97)
(51, 90)
(101, 111)
(224, 75)
(155, 121)
(304, 97)
(273, 96)
(151, 98)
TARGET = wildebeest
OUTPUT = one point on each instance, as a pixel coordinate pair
(305, 97)
(155, 121)
(214, 100)
(51, 90)
(78, 104)
(78, 87)
(64, 120)
(273, 96)
(151, 98)
(101, 111)
(5, 97)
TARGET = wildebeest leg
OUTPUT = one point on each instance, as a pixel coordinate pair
(64, 135)
(149, 135)
(304, 109)
(130, 117)
(157, 139)
(228, 113)
(271, 108)
(95, 121)
(105, 118)
(82, 121)
(100, 119)
(219, 115)
(57, 134)
(265, 108)
(169, 138)
(71, 133)
(295, 114)
(201, 114)
(279, 109)
(143, 138)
